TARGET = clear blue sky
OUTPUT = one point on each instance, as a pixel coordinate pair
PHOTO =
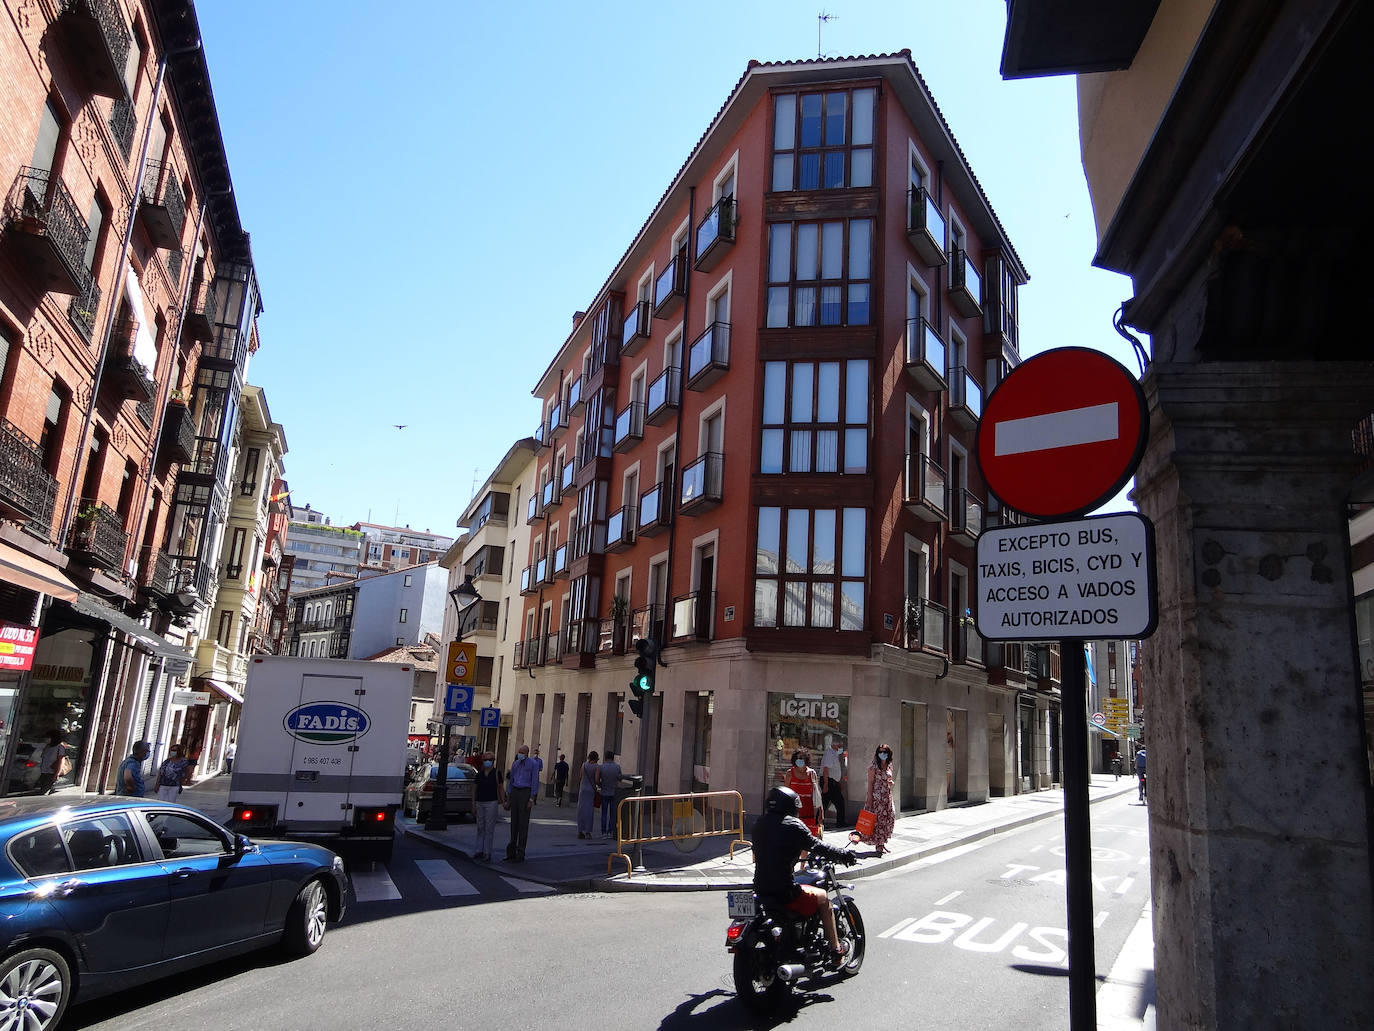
(433, 193)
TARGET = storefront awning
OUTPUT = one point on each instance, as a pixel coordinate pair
(223, 689)
(21, 568)
(161, 647)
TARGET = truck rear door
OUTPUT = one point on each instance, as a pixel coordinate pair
(325, 726)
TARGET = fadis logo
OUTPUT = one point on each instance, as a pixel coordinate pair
(327, 723)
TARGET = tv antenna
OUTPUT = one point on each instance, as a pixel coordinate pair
(821, 18)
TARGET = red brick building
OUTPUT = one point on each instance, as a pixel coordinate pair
(756, 447)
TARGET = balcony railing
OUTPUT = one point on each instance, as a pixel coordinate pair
(965, 397)
(655, 510)
(202, 308)
(965, 285)
(155, 571)
(702, 483)
(567, 479)
(671, 286)
(629, 426)
(83, 308)
(540, 437)
(965, 516)
(45, 224)
(613, 636)
(550, 496)
(709, 356)
(574, 398)
(27, 492)
(1011, 658)
(123, 122)
(925, 354)
(98, 536)
(518, 659)
(534, 652)
(620, 528)
(162, 207)
(558, 421)
(968, 646)
(924, 625)
(715, 234)
(637, 328)
(560, 562)
(543, 573)
(925, 226)
(178, 433)
(647, 622)
(694, 616)
(923, 491)
(665, 394)
(99, 40)
(527, 585)
(534, 509)
(553, 647)
(128, 378)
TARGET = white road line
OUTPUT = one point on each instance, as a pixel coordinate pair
(374, 886)
(1101, 919)
(1144, 860)
(1056, 429)
(948, 898)
(953, 853)
(447, 881)
(1124, 886)
(526, 886)
(897, 927)
(1036, 848)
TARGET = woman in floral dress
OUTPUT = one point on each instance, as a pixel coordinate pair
(878, 801)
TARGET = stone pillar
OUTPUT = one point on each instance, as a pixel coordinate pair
(1259, 793)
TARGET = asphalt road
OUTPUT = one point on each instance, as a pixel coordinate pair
(971, 938)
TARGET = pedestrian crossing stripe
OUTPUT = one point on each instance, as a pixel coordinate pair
(374, 886)
(526, 886)
(447, 881)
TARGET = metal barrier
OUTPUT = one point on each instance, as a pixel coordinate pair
(649, 819)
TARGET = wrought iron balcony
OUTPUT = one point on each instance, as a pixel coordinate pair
(558, 421)
(702, 483)
(655, 510)
(178, 433)
(126, 377)
(637, 328)
(925, 226)
(925, 354)
(709, 356)
(965, 516)
(567, 479)
(665, 394)
(694, 617)
(965, 397)
(98, 40)
(967, 645)
(924, 488)
(620, 528)
(98, 537)
(924, 625)
(965, 285)
(45, 225)
(671, 286)
(123, 123)
(155, 571)
(629, 426)
(161, 206)
(715, 234)
(518, 659)
(560, 562)
(27, 492)
(202, 308)
(85, 306)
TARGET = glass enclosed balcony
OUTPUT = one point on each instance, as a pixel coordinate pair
(965, 285)
(715, 234)
(965, 397)
(637, 329)
(925, 354)
(671, 286)
(620, 528)
(664, 396)
(965, 516)
(702, 483)
(925, 226)
(655, 510)
(709, 356)
(629, 426)
(924, 488)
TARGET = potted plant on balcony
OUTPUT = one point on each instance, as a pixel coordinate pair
(177, 397)
(620, 627)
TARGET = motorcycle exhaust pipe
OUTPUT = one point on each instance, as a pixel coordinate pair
(791, 971)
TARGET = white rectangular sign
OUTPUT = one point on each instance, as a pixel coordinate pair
(1081, 579)
(190, 697)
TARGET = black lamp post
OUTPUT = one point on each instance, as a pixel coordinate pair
(464, 596)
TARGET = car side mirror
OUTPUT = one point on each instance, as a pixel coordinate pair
(242, 843)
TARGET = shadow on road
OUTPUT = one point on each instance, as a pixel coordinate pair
(699, 1012)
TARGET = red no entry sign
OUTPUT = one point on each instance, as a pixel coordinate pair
(1062, 433)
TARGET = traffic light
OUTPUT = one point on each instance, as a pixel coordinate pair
(637, 707)
(645, 663)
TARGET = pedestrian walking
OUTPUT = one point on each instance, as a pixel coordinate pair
(560, 778)
(50, 762)
(129, 776)
(587, 800)
(520, 799)
(229, 754)
(806, 782)
(610, 785)
(1116, 765)
(832, 781)
(1140, 770)
(172, 775)
(878, 801)
(539, 770)
(488, 792)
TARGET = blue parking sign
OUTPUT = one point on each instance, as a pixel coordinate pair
(458, 698)
(491, 718)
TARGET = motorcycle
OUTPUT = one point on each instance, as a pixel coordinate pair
(774, 947)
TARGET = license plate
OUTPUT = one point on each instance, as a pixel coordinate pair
(740, 904)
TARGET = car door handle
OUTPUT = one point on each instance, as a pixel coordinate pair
(66, 888)
(184, 873)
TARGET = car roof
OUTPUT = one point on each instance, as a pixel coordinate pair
(21, 812)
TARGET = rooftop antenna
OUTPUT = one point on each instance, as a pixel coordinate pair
(821, 18)
(475, 471)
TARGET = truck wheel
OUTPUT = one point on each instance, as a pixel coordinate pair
(35, 987)
(305, 921)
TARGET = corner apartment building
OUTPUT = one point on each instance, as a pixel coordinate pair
(324, 553)
(756, 448)
(128, 307)
(395, 547)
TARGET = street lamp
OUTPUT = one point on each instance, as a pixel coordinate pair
(464, 596)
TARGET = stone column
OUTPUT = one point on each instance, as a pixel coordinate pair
(1259, 792)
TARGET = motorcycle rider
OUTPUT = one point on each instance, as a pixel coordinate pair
(779, 835)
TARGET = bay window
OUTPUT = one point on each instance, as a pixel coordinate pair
(809, 568)
(815, 417)
(819, 273)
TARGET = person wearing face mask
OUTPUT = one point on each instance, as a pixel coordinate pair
(488, 793)
(802, 779)
(524, 789)
(878, 801)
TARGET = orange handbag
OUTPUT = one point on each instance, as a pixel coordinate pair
(864, 824)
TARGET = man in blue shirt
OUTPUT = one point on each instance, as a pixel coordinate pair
(129, 776)
(521, 791)
(1140, 770)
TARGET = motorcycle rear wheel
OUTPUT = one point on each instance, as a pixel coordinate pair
(849, 914)
(756, 982)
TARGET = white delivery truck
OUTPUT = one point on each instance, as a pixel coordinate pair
(322, 751)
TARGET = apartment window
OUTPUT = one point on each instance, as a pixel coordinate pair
(809, 568)
(819, 273)
(400, 640)
(234, 567)
(815, 417)
(405, 615)
(823, 141)
(225, 634)
(408, 580)
(248, 483)
(50, 441)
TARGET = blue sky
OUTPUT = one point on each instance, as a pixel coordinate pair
(433, 193)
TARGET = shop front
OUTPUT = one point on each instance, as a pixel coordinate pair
(809, 721)
(57, 698)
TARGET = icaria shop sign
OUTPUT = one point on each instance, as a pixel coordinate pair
(810, 708)
(17, 645)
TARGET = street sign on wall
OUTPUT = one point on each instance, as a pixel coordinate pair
(1062, 433)
(457, 698)
(490, 717)
(1083, 579)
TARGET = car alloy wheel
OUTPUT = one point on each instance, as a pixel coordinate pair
(35, 986)
(305, 921)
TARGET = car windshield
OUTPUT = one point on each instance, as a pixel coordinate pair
(456, 771)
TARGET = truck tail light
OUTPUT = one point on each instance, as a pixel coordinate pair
(373, 818)
(253, 816)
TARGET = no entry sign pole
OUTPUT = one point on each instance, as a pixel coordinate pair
(1078, 859)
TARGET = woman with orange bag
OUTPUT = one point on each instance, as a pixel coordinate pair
(878, 801)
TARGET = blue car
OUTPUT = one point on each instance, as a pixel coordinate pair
(100, 895)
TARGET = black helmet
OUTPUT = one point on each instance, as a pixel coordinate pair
(783, 800)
